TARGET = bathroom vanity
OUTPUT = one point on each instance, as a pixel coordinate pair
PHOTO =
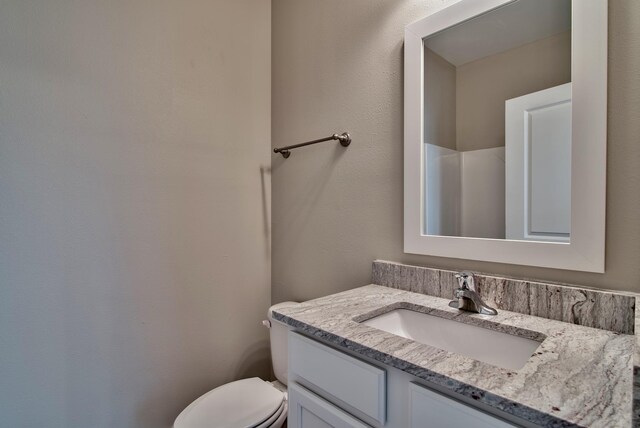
(328, 386)
(345, 370)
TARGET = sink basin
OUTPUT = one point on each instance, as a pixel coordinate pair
(489, 346)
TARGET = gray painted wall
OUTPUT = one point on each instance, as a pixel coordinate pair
(439, 101)
(337, 65)
(464, 106)
(483, 86)
(134, 256)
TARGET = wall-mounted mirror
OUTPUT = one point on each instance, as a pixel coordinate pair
(505, 132)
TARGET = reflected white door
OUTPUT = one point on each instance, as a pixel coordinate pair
(538, 165)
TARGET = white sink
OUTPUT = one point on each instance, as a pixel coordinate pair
(489, 346)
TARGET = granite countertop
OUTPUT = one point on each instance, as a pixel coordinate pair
(636, 372)
(578, 376)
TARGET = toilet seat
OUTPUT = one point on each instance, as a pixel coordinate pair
(278, 416)
(246, 403)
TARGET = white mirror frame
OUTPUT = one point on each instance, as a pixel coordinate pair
(585, 251)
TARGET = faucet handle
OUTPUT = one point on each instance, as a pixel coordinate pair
(466, 280)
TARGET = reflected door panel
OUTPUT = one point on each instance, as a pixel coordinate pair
(538, 171)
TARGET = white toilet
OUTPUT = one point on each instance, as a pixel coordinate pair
(246, 403)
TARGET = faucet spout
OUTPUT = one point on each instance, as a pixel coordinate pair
(467, 297)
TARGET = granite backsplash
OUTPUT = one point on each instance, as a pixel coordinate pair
(582, 306)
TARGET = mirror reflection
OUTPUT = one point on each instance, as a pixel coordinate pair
(497, 125)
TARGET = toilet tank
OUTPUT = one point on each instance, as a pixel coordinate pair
(278, 333)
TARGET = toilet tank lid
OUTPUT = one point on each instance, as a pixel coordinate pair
(243, 403)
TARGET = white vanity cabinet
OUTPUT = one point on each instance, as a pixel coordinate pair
(430, 409)
(349, 381)
(307, 410)
(332, 388)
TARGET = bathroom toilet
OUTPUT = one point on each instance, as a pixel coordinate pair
(246, 403)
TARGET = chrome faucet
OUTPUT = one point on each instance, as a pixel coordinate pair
(467, 298)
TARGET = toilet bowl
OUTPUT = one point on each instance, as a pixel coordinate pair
(246, 403)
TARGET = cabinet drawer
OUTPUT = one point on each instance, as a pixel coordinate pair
(356, 383)
(430, 409)
(307, 410)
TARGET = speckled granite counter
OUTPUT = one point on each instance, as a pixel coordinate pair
(579, 376)
(636, 372)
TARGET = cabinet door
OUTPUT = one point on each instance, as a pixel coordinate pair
(307, 410)
(430, 409)
(336, 374)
